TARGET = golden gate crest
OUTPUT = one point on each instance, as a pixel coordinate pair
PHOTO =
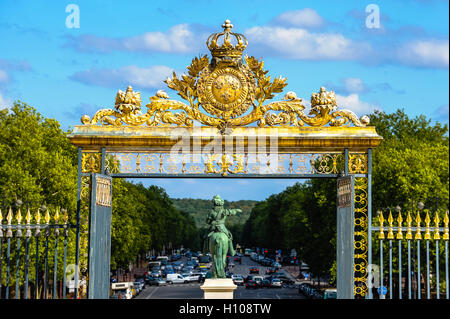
(226, 92)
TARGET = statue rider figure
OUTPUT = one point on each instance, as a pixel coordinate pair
(216, 221)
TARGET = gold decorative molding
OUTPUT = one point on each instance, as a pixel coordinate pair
(224, 93)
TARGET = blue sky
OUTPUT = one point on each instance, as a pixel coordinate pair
(67, 72)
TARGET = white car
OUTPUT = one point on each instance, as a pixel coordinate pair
(237, 279)
(191, 277)
(176, 279)
(276, 283)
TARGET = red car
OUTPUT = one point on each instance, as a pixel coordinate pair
(254, 270)
(238, 259)
(271, 271)
(251, 284)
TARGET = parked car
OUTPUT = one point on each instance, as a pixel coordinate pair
(155, 281)
(238, 259)
(176, 279)
(251, 284)
(309, 291)
(330, 293)
(201, 275)
(284, 278)
(275, 283)
(138, 286)
(192, 277)
(265, 283)
(271, 271)
(254, 270)
(258, 280)
(276, 265)
(248, 278)
(237, 280)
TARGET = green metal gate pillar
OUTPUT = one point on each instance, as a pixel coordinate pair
(345, 237)
(100, 236)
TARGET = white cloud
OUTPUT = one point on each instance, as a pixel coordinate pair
(353, 103)
(442, 113)
(4, 78)
(178, 39)
(354, 85)
(147, 78)
(4, 102)
(425, 53)
(297, 43)
(306, 18)
(181, 38)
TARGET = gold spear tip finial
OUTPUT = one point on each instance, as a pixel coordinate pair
(38, 216)
(47, 217)
(9, 216)
(19, 217)
(28, 216)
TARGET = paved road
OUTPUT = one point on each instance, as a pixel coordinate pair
(193, 291)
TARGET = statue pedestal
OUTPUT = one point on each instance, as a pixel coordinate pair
(218, 288)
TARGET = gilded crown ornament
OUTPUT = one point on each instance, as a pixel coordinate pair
(225, 92)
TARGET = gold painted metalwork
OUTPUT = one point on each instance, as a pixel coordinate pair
(418, 235)
(28, 221)
(360, 234)
(47, 217)
(91, 162)
(399, 222)
(19, 217)
(427, 235)
(445, 236)
(225, 88)
(28, 217)
(224, 163)
(357, 163)
(409, 220)
(436, 221)
(38, 217)
(381, 221)
(9, 220)
(9, 216)
(390, 229)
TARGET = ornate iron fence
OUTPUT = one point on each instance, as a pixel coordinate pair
(416, 275)
(34, 255)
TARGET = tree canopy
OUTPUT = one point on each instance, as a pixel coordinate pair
(410, 165)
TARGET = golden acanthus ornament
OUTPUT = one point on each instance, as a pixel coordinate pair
(225, 93)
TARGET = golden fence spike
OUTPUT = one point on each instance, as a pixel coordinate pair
(19, 217)
(390, 234)
(408, 229)
(381, 220)
(28, 217)
(1, 216)
(418, 234)
(427, 220)
(445, 235)
(57, 216)
(38, 216)
(399, 222)
(436, 220)
(47, 217)
(9, 216)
